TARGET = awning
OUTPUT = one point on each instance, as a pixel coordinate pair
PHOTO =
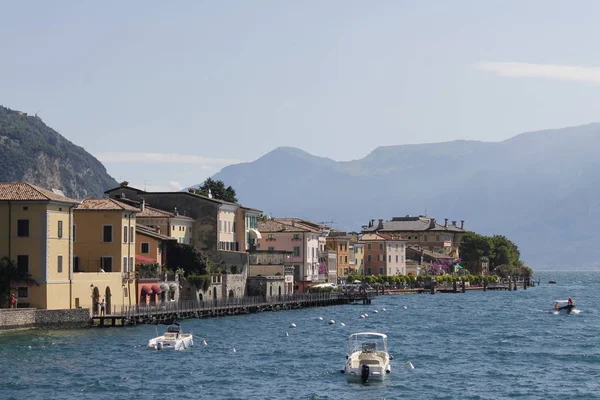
(143, 259)
(164, 286)
(146, 290)
(255, 233)
(156, 289)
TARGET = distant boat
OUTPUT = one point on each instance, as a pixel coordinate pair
(551, 281)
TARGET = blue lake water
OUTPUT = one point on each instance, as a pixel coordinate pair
(492, 345)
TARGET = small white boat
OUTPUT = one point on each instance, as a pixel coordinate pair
(564, 306)
(367, 358)
(172, 339)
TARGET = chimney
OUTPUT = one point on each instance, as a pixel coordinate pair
(445, 222)
(143, 204)
(372, 224)
(453, 223)
(380, 225)
(462, 224)
(431, 223)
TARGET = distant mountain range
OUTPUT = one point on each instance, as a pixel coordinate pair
(540, 189)
(31, 151)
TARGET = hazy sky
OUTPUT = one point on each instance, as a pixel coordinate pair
(167, 93)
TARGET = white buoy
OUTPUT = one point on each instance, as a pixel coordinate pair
(375, 311)
(331, 322)
(410, 365)
(320, 318)
(287, 334)
(204, 342)
(383, 309)
(342, 324)
(366, 315)
(406, 308)
(363, 316)
(292, 325)
(234, 350)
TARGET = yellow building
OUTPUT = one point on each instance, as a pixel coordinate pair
(104, 254)
(35, 232)
(170, 224)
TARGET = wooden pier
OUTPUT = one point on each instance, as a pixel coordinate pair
(170, 311)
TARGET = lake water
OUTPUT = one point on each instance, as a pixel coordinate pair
(492, 345)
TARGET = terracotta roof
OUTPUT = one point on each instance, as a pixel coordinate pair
(151, 212)
(370, 237)
(28, 192)
(104, 205)
(303, 223)
(148, 231)
(272, 226)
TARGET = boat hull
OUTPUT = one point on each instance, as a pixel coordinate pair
(180, 344)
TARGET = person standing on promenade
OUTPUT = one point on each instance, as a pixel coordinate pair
(102, 307)
(13, 301)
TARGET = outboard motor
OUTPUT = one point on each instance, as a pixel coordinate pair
(159, 345)
(364, 373)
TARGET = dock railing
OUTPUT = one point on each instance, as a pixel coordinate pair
(188, 306)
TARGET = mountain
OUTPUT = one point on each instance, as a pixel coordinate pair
(540, 189)
(32, 152)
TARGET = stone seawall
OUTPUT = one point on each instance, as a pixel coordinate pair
(21, 318)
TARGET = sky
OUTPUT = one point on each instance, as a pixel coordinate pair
(166, 94)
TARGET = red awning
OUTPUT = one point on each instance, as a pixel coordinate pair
(156, 289)
(144, 259)
(146, 290)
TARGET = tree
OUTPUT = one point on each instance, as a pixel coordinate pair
(10, 273)
(217, 190)
(498, 249)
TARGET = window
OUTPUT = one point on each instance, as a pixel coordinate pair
(220, 226)
(390, 258)
(369, 246)
(271, 249)
(369, 271)
(107, 233)
(296, 251)
(396, 245)
(396, 258)
(130, 263)
(22, 292)
(424, 238)
(125, 234)
(296, 236)
(23, 263)
(60, 229)
(145, 248)
(106, 264)
(380, 257)
(124, 264)
(233, 226)
(74, 232)
(59, 263)
(380, 246)
(346, 259)
(75, 264)
(131, 234)
(369, 258)
(23, 227)
(380, 270)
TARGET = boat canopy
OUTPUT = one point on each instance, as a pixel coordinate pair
(381, 335)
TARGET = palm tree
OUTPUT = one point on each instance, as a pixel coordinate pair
(11, 273)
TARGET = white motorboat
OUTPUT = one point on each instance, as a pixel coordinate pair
(172, 339)
(367, 358)
(564, 306)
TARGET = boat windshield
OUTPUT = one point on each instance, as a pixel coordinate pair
(367, 342)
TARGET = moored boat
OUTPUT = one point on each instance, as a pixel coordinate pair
(551, 281)
(564, 306)
(367, 358)
(172, 339)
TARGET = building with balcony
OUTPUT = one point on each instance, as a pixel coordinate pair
(339, 242)
(384, 254)
(300, 238)
(271, 264)
(171, 224)
(104, 250)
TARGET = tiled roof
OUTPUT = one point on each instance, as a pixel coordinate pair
(303, 223)
(28, 192)
(148, 231)
(104, 205)
(150, 212)
(368, 237)
(412, 224)
(273, 226)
